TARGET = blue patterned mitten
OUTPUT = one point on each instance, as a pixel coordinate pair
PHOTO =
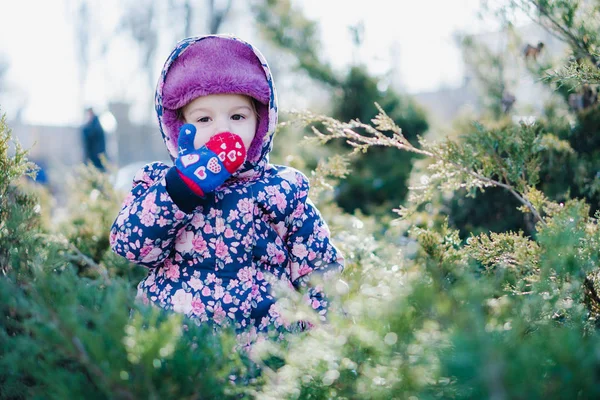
(205, 169)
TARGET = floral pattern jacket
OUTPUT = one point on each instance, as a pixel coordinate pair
(215, 262)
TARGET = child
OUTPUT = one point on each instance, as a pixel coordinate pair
(213, 227)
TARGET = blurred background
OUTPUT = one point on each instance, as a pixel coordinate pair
(61, 57)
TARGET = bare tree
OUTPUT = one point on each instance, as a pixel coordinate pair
(140, 20)
(81, 25)
(217, 15)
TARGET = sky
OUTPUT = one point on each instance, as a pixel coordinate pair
(416, 36)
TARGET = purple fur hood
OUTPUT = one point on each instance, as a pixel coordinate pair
(217, 64)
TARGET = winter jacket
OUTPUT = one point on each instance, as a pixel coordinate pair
(212, 258)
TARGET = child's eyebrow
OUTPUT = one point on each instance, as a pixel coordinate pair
(244, 106)
(192, 110)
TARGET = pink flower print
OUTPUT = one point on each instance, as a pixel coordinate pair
(197, 221)
(247, 218)
(285, 186)
(166, 265)
(179, 215)
(227, 298)
(259, 276)
(128, 200)
(273, 311)
(245, 306)
(261, 196)
(219, 292)
(280, 229)
(304, 270)
(152, 255)
(221, 249)
(184, 242)
(279, 200)
(233, 284)
(219, 225)
(172, 272)
(299, 250)
(208, 229)
(233, 215)
(123, 215)
(228, 233)
(145, 250)
(199, 244)
(247, 240)
(147, 218)
(149, 201)
(219, 315)
(198, 306)
(162, 295)
(112, 238)
(245, 206)
(299, 211)
(271, 248)
(311, 255)
(195, 283)
(210, 278)
(150, 279)
(182, 302)
(130, 256)
(264, 322)
(315, 304)
(279, 257)
(162, 221)
(322, 232)
(206, 291)
(244, 274)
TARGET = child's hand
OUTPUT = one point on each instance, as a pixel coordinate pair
(206, 168)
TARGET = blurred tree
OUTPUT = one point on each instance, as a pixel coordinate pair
(140, 20)
(377, 180)
(82, 24)
(571, 166)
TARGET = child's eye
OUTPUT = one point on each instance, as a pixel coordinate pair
(204, 119)
(237, 117)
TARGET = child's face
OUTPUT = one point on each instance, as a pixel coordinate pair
(218, 113)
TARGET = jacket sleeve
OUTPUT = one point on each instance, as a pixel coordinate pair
(310, 248)
(145, 231)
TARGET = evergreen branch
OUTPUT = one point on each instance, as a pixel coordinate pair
(362, 142)
(78, 351)
(589, 285)
(78, 255)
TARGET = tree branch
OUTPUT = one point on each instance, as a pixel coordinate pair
(359, 141)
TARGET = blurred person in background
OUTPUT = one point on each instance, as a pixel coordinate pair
(93, 138)
(217, 227)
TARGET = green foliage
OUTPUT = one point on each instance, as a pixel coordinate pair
(70, 325)
(18, 214)
(377, 179)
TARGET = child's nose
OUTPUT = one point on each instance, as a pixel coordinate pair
(223, 125)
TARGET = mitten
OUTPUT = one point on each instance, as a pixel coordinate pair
(205, 169)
